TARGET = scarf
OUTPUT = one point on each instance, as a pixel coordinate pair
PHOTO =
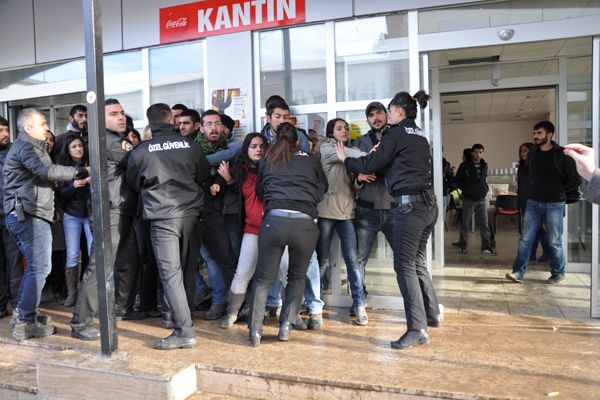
(211, 147)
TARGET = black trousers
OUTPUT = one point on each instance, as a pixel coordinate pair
(300, 235)
(125, 252)
(149, 270)
(11, 268)
(174, 242)
(412, 227)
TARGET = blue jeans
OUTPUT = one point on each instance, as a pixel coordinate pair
(347, 234)
(216, 278)
(34, 237)
(72, 226)
(551, 216)
(368, 223)
(312, 286)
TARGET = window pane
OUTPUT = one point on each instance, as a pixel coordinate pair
(292, 65)
(371, 57)
(175, 81)
(123, 80)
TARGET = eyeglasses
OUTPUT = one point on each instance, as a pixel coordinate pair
(211, 124)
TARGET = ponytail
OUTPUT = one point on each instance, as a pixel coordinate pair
(409, 103)
(280, 154)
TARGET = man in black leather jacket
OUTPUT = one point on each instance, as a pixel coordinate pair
(29, 178)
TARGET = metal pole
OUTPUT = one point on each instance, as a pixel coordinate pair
(97, 141)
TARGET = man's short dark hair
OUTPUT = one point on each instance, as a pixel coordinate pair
(77, 108)
(4, 122)
(128, 121)
(545, 125)
(159, 113)
(110, 102)
(209, 112)
(193, 114)
(277, 104)
(274, 99)
(179, 106)
(477, 146)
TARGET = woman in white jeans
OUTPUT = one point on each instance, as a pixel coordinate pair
(241, 178)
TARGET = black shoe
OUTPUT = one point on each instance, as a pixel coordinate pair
(271, 311)
(254, 338)
(175, 341)
(135, 316)
(555, 279)
(434, 322)
(285, 332)
(87, 333)
(25, 330)
(216, 311)
(411, 338)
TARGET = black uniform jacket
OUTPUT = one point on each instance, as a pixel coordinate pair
(168, 172)
(404, 155)
(122, 199)
(299, 186)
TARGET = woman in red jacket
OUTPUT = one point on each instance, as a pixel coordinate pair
(242, 178)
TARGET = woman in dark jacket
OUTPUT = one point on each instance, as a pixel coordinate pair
(76, 200)
(290, 184)
(405, 156)
(523, 194)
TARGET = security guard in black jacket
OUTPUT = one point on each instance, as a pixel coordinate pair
(168, 171)
(405, 155)
(123, 207)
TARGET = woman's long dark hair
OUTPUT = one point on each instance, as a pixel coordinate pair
(529, 146)
(243, 163)
(280, 153)
(63, 157)
(409, 103)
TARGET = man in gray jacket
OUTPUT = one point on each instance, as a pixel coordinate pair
(29, 177)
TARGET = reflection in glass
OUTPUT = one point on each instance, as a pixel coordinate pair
(177, 75)
(371, 57)
(123, 80)
(292, 65)
(56, 72)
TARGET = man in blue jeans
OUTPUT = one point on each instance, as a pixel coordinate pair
(552, 175)
(29, 177)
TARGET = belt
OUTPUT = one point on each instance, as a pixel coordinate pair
(287, 214)
(370, 204)
(409, 199)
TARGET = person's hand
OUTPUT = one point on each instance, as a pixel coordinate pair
(340, 151)
(223, 170)
(81, 182)
(584, 159)
(215, 188)
(366, 178)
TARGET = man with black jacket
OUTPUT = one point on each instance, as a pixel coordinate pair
(553, 176)
(11, 260)
(471, 178)
(29, 177)
(123, 207)
(168, 172)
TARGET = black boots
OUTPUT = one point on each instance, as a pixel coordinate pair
(72, 278)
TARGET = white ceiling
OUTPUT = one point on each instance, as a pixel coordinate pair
(518, 60)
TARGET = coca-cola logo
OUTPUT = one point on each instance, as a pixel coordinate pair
(179, 23)
(176, 24)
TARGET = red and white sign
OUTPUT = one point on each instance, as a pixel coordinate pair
(218, 17)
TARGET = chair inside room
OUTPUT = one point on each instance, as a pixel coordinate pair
(507, 205)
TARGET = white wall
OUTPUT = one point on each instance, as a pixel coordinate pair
(500, 139)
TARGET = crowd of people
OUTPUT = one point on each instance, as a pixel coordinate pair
(260, 213)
